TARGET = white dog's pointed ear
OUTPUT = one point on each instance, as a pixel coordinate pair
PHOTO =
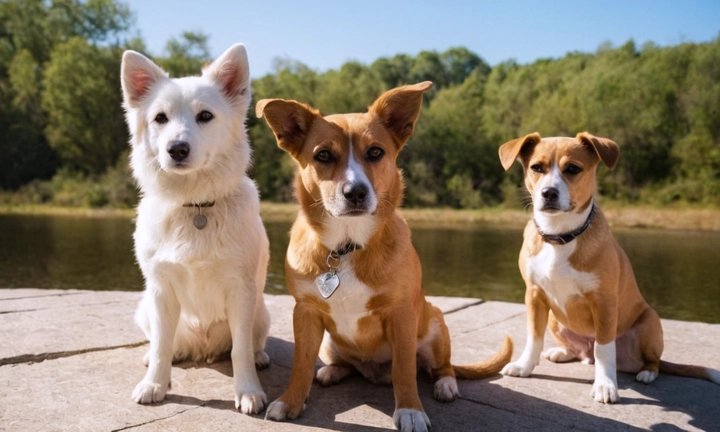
(138, 74)
(231, 72)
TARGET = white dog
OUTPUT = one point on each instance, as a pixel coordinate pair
(199, 240)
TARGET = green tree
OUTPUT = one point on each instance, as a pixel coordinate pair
(82, 101)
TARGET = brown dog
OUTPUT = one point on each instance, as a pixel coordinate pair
(578, 278)
(351, 266)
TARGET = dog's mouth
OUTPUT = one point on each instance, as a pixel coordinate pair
(353, 212)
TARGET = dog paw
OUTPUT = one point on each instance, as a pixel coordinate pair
(147, 392)
(329, 375)
(559, 355)
(411, 420)
(517, 369)
(604, 390)
(280, 411)
(646, 376)
(250, 402)
(262, 360)
(446, 389)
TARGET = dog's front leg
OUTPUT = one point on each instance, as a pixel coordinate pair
(308, 329)
(538, 312)
(605, 388)
(402, 337)
(161, 310)
(249, 395)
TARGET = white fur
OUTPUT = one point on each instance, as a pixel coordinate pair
(551, 270)
(529, 358)
(354, 174)
(605, 387)
(204, 288)
(339, 230)
(411, 420)
(446, 389)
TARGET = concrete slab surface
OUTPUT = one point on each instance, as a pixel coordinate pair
(69, 361)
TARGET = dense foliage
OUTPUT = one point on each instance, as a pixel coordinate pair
(60, 115)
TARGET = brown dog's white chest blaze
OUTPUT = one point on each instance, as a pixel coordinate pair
(377, 319)
(579, 281)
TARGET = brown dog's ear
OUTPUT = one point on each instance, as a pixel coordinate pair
(606, 149)
(398, 109)
(289, 120)
(510, 151)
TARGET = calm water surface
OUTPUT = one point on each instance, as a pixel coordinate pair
(678, 271)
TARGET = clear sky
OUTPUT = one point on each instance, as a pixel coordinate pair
(325, 34)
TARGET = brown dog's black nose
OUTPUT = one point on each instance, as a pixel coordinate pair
(550, 194)
(355, 192)
(178, 150)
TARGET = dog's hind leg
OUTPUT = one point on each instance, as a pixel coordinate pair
(572, 346)
(261, 328)
(336, 367)
(437, 359)
(643, 346)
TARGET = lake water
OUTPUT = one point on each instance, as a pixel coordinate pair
(678, 271)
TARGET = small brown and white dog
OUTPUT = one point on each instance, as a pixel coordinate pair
(199, 240)
(351, 266)
(579, 281)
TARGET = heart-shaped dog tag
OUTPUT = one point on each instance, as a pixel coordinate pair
(327, 283)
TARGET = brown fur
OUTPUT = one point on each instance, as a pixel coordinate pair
(396, 314)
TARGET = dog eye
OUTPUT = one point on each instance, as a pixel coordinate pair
(204, 116)
(375, 154)
(324, 156)
(537, 168)
(161, 118)
(572, 169)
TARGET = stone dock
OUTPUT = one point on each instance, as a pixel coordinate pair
(69, 361)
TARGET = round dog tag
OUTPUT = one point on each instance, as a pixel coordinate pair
(327, 283)
(199, 221)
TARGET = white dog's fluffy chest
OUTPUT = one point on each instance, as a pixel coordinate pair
(201, 265)
(551, 270)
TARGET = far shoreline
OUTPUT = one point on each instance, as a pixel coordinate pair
(619, 216)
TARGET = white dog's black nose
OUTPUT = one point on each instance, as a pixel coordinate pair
(178, 150)
(550, 194)
(355, 193)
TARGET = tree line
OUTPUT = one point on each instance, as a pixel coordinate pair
(63, 136)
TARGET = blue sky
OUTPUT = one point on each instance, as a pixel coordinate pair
(325, 34)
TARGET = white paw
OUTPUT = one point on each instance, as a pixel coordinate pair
(147, 392)
(250, 401)
(329, 375)
(646, 376)
(262, 360)
(559, 355)
(446, 389)
(411, 420)
(604, 390)
(280, 411)
(146, 358)
(518, 369)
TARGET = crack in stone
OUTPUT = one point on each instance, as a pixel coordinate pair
(37, 358)
(491, 323)
(457, 309)
(157, 419)
(523, 414)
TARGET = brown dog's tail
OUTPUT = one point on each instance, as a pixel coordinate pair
(690, 371)
(488, 367)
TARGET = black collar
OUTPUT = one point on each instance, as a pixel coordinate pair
(346, 248)
(199, 205)
(561, 239)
